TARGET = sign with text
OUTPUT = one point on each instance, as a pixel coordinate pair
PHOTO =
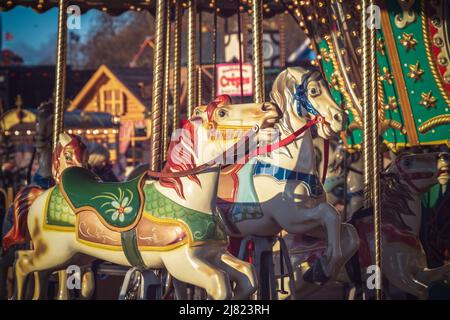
(229, 79)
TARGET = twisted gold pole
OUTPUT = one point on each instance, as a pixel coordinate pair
(258, 55)
(376, 158)
(191, 62)
(367, 115)
(177, 65)
(158, 83)
(165, 120)
(60, 73)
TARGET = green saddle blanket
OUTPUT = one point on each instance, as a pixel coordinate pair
(202, 226)
(118, 204)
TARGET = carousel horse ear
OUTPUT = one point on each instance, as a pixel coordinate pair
(64, 139)
(297, 73)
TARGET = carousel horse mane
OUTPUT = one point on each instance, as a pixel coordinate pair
(395, 196)
(181, 156)
(182, 153)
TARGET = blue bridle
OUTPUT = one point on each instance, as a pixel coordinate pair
(301, 97)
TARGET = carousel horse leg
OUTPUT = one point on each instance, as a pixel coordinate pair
(400, 266)
(242, 274)
(188, 264)
(429, 276)
(88, 284)
(22, 269)
(329, 218)
(262, 254)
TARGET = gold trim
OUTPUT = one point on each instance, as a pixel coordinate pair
(434, 122)
(398, 77)
(341, 83)
(426, 42)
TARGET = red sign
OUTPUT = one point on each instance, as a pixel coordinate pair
(229, 79)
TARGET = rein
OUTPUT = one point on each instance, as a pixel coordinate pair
(301, 98)
(258, 151)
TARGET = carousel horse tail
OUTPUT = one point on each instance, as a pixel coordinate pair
(18, 233)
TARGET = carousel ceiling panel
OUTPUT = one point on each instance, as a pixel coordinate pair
(413, 52)
(225, 8)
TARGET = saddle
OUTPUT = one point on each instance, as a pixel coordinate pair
(118, 205)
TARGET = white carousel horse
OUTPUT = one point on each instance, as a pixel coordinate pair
(281, 190)
(161, 224)
(403, 258)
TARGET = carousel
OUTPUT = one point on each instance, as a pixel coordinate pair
(333, 185)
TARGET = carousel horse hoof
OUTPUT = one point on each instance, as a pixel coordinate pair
(316, 274)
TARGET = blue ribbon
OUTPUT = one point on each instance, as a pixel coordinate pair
(301, 98)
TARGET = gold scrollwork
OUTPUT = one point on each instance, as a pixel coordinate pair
(407, 16)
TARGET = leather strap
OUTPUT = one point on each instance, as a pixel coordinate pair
(131, 249)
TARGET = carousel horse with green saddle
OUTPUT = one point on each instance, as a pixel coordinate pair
(169, 223)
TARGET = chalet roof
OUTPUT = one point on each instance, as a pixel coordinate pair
(137, 80)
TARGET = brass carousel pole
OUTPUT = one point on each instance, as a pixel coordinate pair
(367, 134)
(165, 124)
(158, 83)
(376, 157)
(258, 56)
(177, 64)
(191, 62)
(60, 73)
(371, 136)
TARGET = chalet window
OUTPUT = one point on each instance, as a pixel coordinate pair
(113, 102)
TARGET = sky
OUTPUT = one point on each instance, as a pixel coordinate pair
(34, 35)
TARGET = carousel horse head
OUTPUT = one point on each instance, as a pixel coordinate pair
(217, 131)
(420, 171)
(70, 152)
(302, 92)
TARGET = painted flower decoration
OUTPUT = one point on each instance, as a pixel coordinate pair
(120, 204)
(120, 209)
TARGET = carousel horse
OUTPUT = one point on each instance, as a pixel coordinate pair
(281, 190)
(403, 258)
(158, 224)
(69, 152)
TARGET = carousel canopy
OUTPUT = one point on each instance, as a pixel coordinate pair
(225, 8)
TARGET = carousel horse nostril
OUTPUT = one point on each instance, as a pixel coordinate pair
(337, 117)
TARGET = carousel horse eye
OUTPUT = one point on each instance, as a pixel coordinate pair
(222, 113)
(68, 156)
(407, 162)
(197, 112)
(314, 92)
